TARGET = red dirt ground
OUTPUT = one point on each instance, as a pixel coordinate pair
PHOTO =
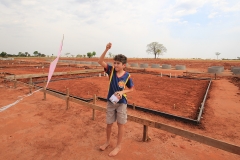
(159, 93)
(37, 129)
(190, 63)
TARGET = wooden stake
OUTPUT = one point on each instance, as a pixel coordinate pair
(94, 102)
(145, 133)
(133, 106)
(30, 86)
(44, 93)
(30, 81)
(15, 81)
(67, 99)
(44, 89)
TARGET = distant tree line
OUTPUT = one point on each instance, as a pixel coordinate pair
(22, 54)
(89, 55)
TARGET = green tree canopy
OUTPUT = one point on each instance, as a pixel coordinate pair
(35, 53)
(27, 54)
(91, 54)
(79, 55)
(3, 54)
(67, 54)
(94, 53)
(156, 49)
(42, 55)
(21, 54)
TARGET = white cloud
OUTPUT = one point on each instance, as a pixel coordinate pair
(226, 6)
(29, 25)
(212, 15)
(185, 12)
(167, 20)
(187, 7)
(179, 9)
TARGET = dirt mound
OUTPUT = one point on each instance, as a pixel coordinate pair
(236, 82)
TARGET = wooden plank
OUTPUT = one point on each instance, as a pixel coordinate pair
(25, 84)
(96, 107)
(195, 72)
(141, 121)
(55, 94)
(232, 148)
(200, 138)
(54, 74)
(190, 135)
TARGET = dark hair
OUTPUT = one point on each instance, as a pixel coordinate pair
(120, 58)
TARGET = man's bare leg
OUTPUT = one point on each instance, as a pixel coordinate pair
(120, 135)
(108, 131)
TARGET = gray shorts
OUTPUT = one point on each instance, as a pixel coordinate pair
(116, 112)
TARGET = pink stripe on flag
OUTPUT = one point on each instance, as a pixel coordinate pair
(54, 64)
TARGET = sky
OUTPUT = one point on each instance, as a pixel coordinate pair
(187, 28)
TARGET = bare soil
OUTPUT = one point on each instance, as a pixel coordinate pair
(37, 129)
(176, 96)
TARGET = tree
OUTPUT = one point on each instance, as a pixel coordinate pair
(217, 54)
(67, 54)
(20, 54)
(35, 53)
(3, 54)
(93, 53)
(79, 55)
(43, 55)
(27, 54)
(89, 54)
(238, 57)
(156, 49)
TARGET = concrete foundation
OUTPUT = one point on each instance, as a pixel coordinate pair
(236, 70)
(144, 65)
(155, 65)
(215, 69)
(180, 67)
(233, 67)
(95, 64)
(166, 66)
(134, 64)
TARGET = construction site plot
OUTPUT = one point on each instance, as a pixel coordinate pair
(178, 96)
(56, 128)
